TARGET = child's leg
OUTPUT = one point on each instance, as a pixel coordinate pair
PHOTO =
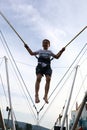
(47, 85)
(37, 86)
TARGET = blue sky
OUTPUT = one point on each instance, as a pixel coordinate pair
(34, 20)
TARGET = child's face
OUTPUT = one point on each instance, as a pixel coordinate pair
(46, 45)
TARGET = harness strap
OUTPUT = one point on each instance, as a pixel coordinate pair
(50, 58)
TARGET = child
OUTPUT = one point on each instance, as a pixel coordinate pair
(43, 67)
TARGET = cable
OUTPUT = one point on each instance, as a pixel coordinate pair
(3, 89)
(1, 62)
(76, 36)
(82, 56)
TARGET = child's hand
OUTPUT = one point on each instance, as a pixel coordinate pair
(26, 46)
(62, 50)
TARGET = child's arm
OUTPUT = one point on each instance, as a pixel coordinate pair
(59, 53)
(29, 50)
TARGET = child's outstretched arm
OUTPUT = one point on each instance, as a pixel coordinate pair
(29, 50)
(59, 53)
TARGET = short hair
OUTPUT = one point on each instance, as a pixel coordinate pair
(46, 40)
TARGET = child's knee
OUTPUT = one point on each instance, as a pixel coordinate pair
(48, 78)
(38, 78)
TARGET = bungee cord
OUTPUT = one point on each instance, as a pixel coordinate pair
(19, 74)
(3, 83)
(76, 36)
(84, 59)
(3, 88)
(12, 27)
(1, 61)
(82, 56)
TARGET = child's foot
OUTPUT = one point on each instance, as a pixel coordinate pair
(37, 99)
(45, 99)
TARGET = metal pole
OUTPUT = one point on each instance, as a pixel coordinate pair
(9, 95)
(67, 122)
(63, 122)
(79, 112)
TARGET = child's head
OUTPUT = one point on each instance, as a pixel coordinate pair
(46, 43)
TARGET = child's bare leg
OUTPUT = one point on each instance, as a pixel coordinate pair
(37, 86)
(47, 85)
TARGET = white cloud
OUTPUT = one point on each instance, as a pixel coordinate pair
(29, 16)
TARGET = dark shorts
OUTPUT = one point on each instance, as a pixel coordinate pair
(43, 70)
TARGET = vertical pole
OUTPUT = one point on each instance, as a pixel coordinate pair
(63, 122)
(9, 95)
(37, 118)
(67, 122)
